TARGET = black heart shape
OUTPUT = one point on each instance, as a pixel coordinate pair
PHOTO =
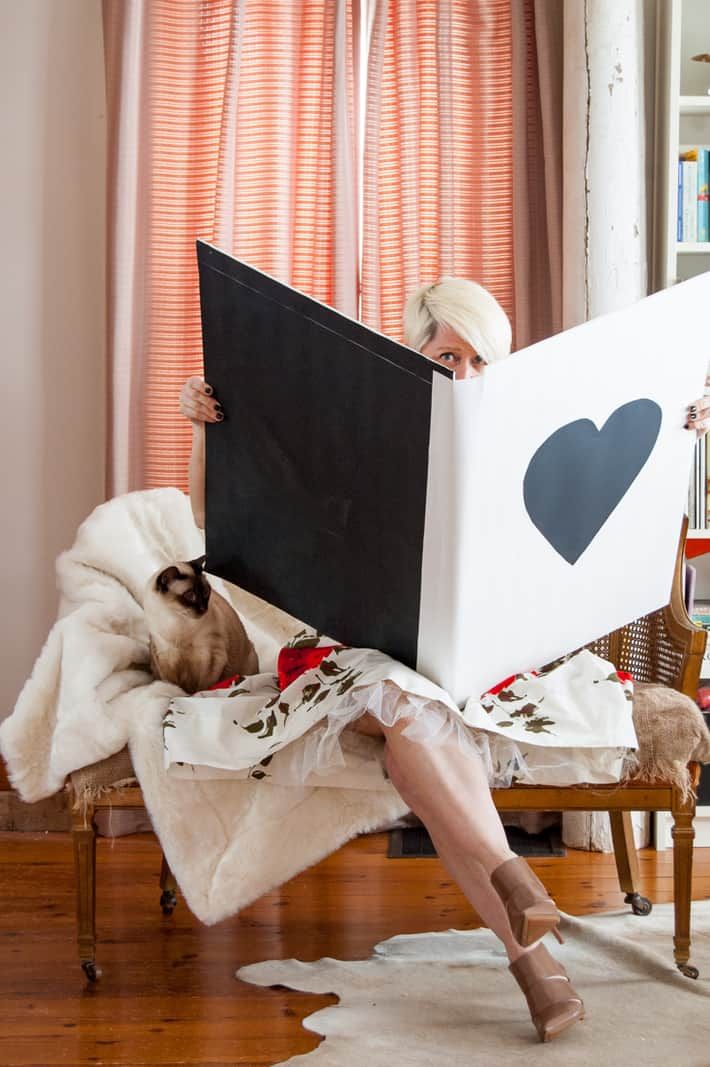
(580, 474)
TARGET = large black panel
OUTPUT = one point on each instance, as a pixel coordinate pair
(316, 480)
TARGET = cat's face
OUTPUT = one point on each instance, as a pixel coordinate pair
(183, 587)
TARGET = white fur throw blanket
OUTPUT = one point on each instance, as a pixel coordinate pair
(91, 692)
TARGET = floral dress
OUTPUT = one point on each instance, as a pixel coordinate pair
(570, 722)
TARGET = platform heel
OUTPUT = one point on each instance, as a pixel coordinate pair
(531, 910)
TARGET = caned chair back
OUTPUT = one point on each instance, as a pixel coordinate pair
(663, 646)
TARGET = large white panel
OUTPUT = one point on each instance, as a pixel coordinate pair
(515, 602)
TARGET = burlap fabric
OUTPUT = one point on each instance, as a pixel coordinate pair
(671, 732)
(92, 782)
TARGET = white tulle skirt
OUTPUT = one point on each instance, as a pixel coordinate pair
(301, 733)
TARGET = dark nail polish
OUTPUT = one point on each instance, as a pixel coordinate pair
(208, 390)
(692, 407)
(219, 416)
(693, 415)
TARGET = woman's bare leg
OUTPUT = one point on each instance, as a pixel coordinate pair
(449, 791)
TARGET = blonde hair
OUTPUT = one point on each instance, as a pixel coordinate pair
(465, 307)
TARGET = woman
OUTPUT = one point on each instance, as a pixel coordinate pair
(459, 324)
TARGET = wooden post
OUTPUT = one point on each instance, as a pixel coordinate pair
(84, 839)
(627, 861)
(683, 835)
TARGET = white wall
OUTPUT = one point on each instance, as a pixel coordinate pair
(52, 307)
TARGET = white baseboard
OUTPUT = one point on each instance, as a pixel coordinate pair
(663, 823)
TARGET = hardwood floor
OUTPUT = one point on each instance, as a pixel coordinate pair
(168, 994)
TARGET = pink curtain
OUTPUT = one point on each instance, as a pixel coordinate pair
(438, 187)
(232, 121)
(537, 171)
(236, 121)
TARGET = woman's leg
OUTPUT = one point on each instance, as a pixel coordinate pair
(448, 790)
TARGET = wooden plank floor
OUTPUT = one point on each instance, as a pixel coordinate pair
(168, 994)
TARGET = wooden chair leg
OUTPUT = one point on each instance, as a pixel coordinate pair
(84, 841)
(627, 861)
(168, 885)
(683, 834)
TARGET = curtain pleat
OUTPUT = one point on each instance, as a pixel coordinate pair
(189, 52)
(537, 173)
(126, 34)
(438, 172)
(245, 118)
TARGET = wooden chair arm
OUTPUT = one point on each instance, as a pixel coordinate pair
(664, 646)
(681, 628)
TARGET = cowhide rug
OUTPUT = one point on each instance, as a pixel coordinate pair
(448, 998)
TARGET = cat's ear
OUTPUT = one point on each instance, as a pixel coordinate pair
(197, 564)
(162, 582)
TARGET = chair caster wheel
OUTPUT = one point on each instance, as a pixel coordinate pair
(168, 901)
(688, 970)
(92, 972)
(639, 905)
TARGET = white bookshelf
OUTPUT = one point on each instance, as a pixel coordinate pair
(682, 117)
(694, 105)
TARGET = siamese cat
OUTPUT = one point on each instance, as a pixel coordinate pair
(196, 637)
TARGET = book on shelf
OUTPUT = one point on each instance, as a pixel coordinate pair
(701, 479)
(701, 610)
(698, 496)
(693, 218)
(700, 616)
(689, 178)
(703, 194)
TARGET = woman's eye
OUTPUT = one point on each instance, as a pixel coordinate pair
(447, 357)
(480, 359)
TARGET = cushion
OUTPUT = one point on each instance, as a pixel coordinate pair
(670, 728)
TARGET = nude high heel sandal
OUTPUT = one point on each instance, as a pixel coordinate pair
(554, 1005)
(531, 910)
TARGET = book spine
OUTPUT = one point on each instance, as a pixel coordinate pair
(701, 481)
(698, 476)
(696, 467)
(704, 194)
(690, 200)
(706, 512)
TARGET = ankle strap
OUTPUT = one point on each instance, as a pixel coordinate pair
(535, 964)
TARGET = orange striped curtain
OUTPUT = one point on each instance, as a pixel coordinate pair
(438, 168)
(232, 121)
(538, 48)
(236, 121)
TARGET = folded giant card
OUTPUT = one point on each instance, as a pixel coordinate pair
(468, 528)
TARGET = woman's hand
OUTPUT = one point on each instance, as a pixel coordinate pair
(199, 406)
(197, 403)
